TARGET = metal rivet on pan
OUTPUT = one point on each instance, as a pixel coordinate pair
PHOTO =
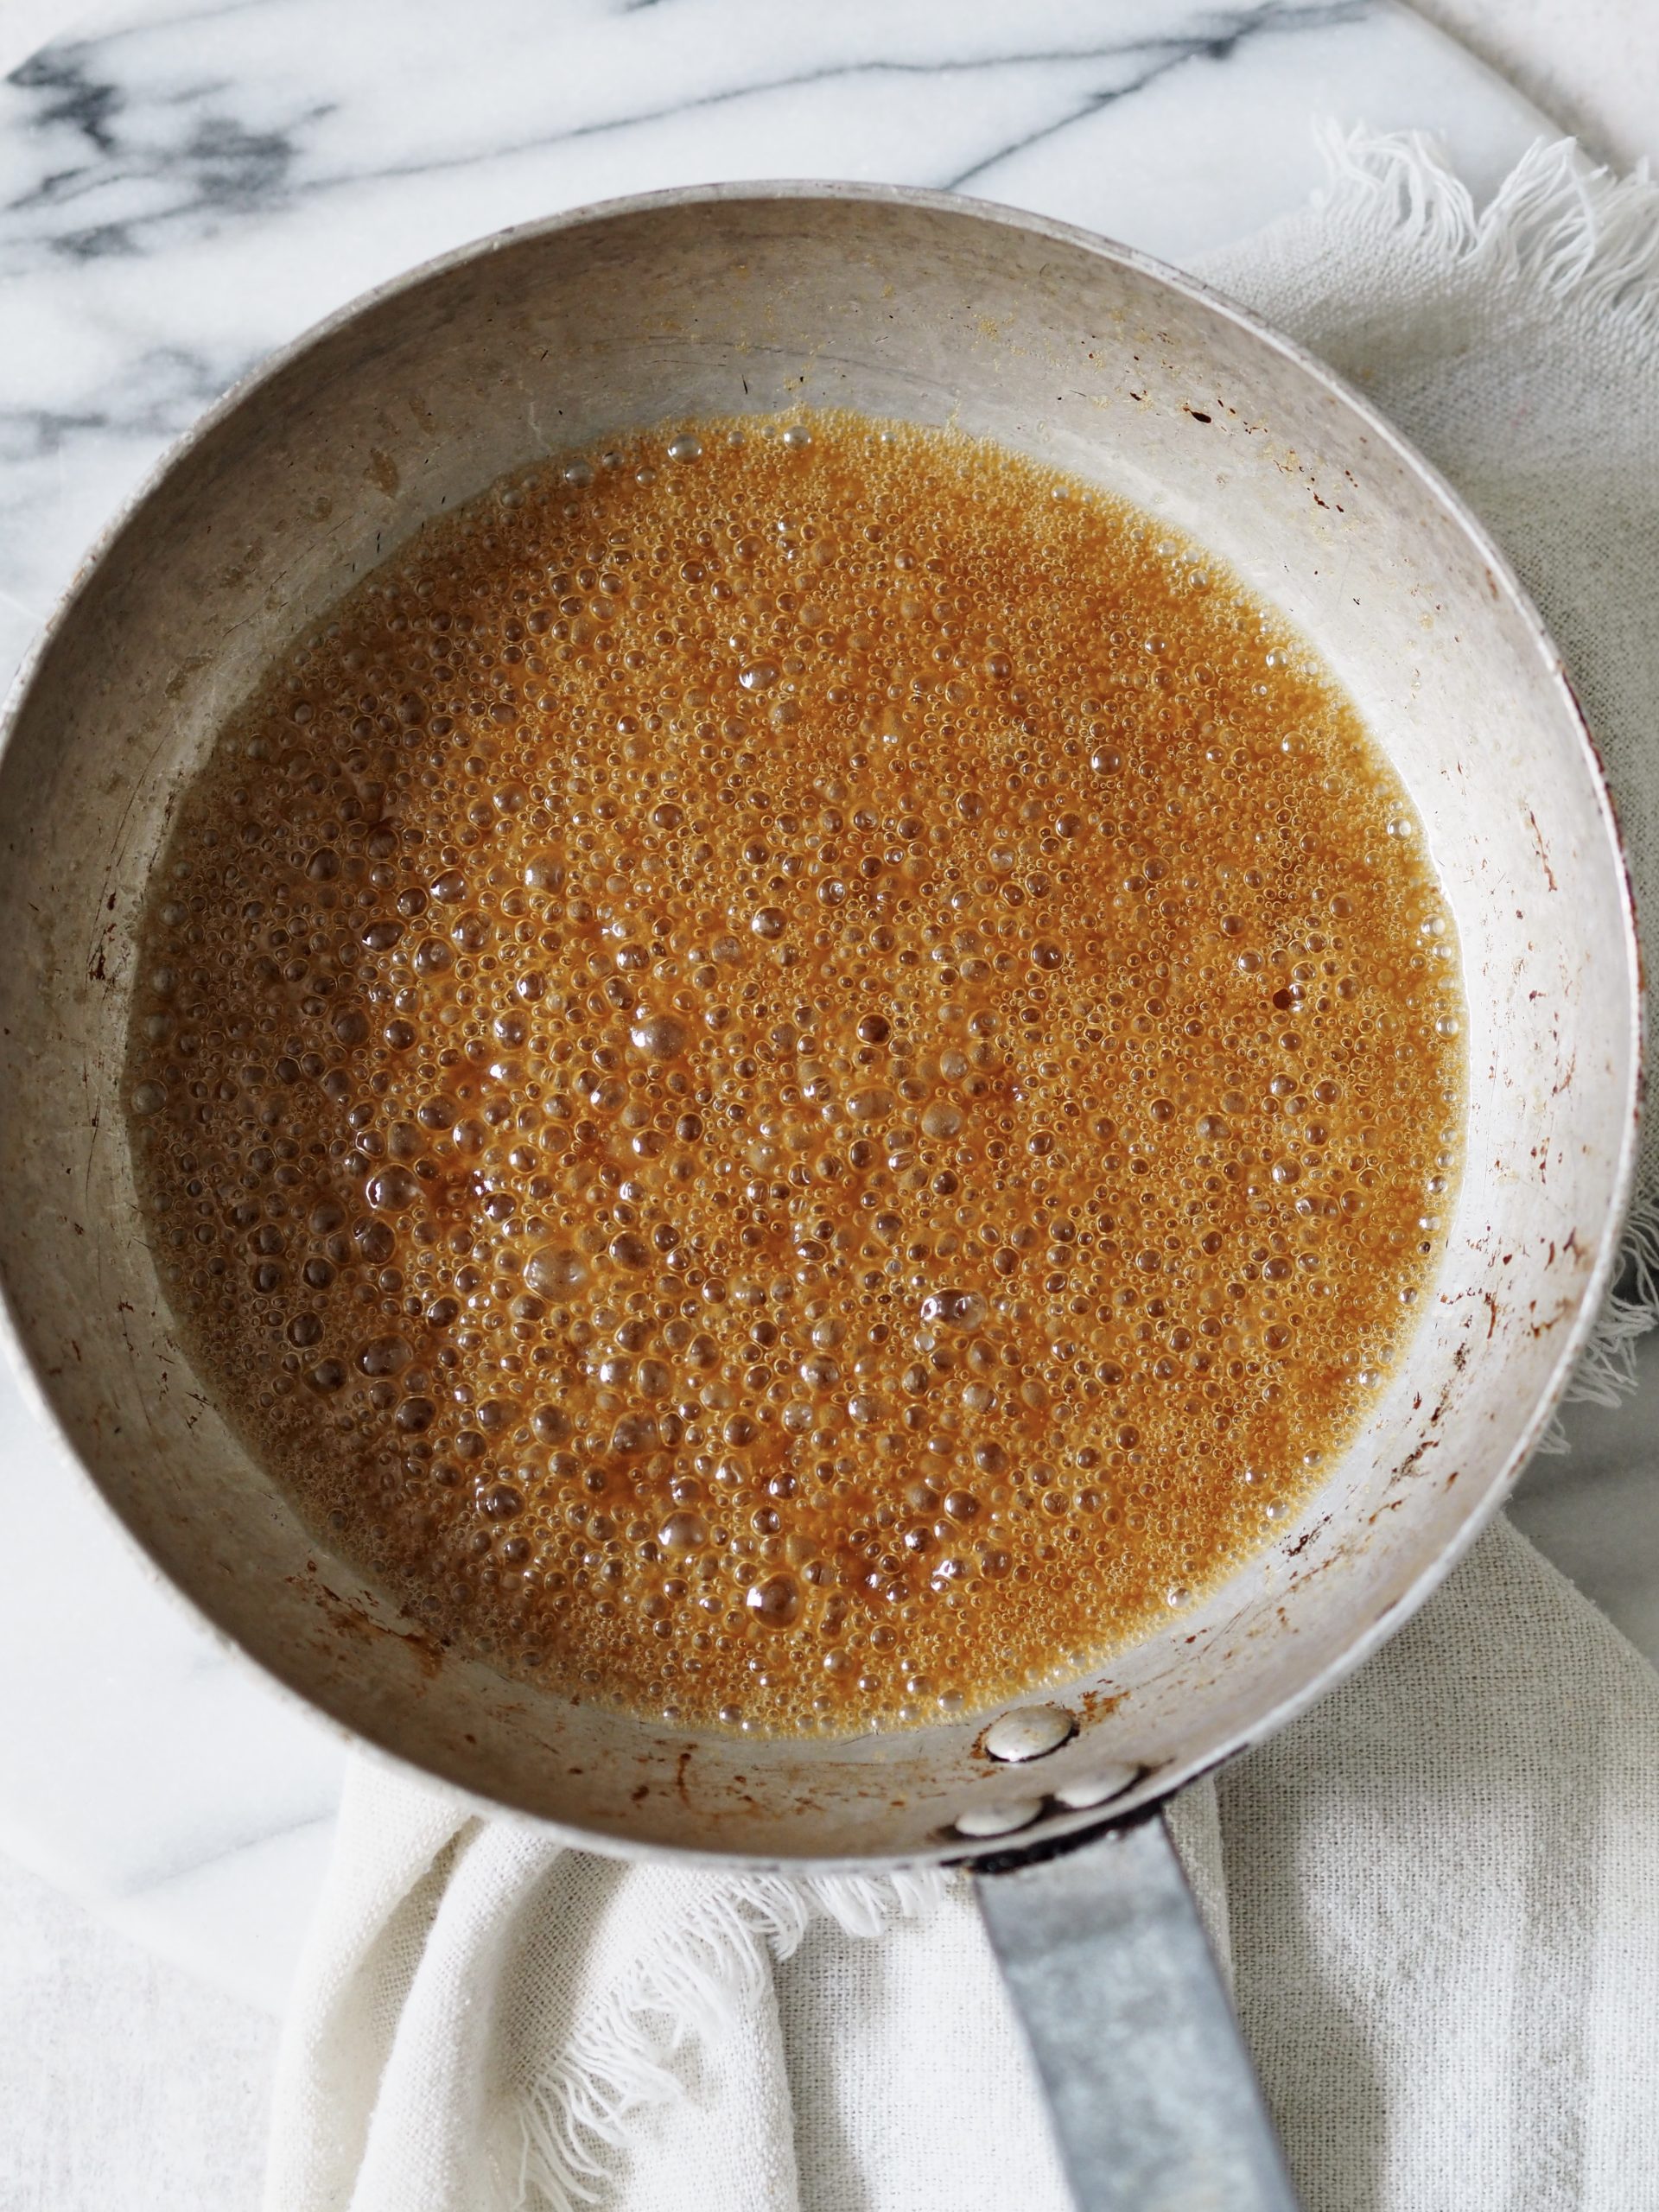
(1095, 1788)
(998, 1820)
(1029, 1734)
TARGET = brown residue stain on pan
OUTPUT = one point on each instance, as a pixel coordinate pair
(347, 1621)
(1408, 1465)
(1543, 850)
(1307, 1536)
(1095, 1704)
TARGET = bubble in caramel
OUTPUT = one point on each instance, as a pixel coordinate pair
(795, 1075)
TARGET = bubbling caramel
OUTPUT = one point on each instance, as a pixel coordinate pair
(794, 1077)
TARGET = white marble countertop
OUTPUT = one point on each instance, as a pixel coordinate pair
(184, 183)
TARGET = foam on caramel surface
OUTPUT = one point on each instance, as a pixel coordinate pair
(796, 1076)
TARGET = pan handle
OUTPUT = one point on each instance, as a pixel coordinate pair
(1155, 2103)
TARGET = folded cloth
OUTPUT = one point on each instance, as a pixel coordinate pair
(1440, 1892)
(1437, 1892)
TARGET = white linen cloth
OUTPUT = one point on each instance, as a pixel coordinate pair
(1437, 1892)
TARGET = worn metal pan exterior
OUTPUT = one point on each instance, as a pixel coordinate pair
(935, 309)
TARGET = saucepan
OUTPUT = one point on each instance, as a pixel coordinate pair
(935, 309)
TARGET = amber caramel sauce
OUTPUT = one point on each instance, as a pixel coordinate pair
(796, 1076)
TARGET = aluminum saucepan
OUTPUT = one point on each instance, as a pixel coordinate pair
(936, 309)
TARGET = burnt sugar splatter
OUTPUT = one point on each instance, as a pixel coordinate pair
(795, 1075)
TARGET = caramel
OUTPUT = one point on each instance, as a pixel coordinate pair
(797, 1075)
